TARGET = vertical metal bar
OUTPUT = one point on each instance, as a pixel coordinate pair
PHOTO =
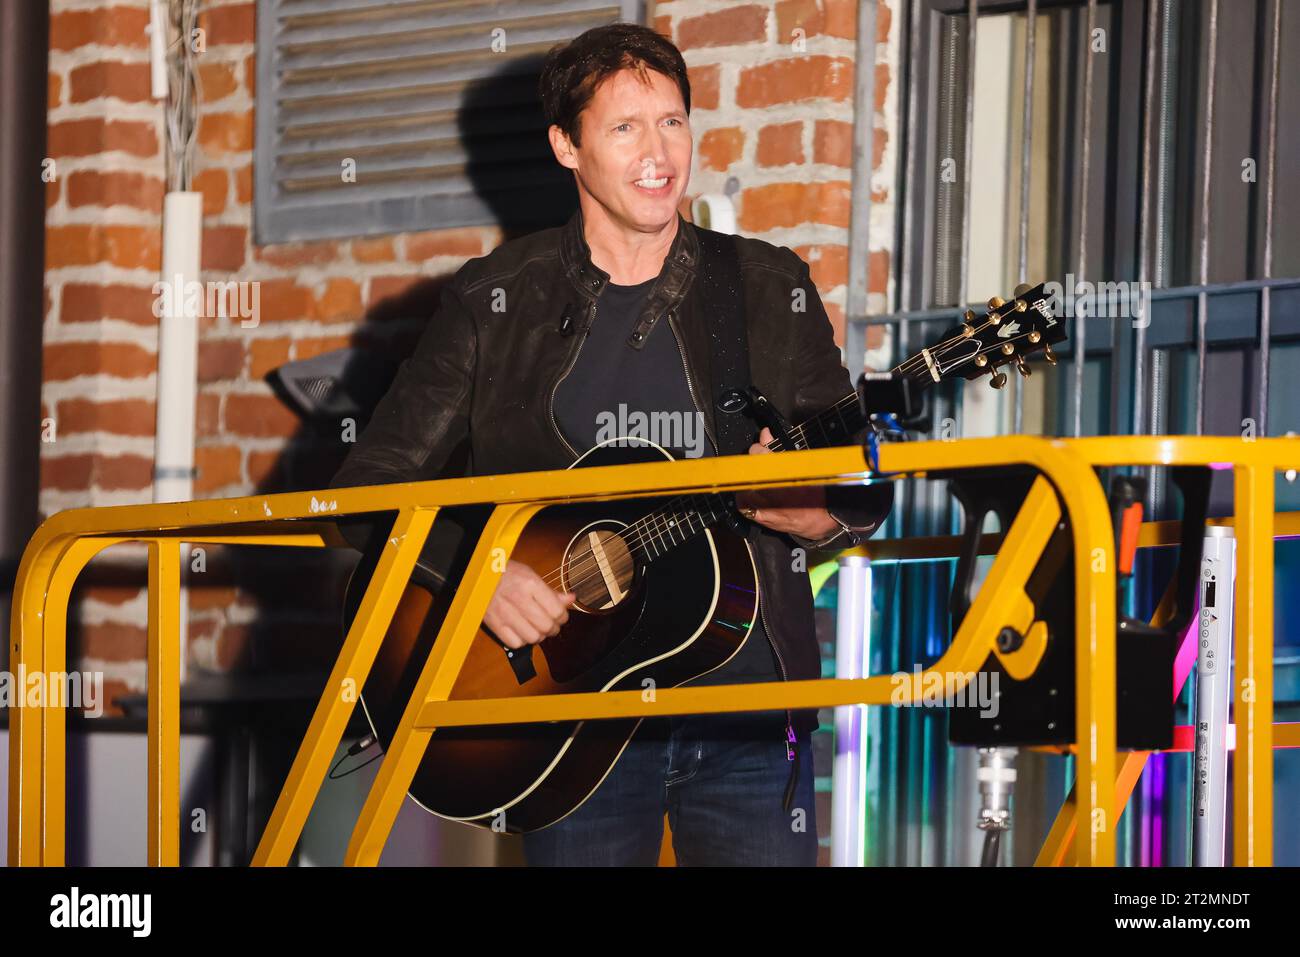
(909, 162)
(864, 126)
(164, 679)
(1026, 169)
(1270, 162)
(1202, 298)
(968, 149)
(1080, 329)
(1144, 221)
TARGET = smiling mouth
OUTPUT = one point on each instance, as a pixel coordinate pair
(655, 187)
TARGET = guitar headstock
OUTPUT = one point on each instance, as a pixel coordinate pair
(1007, 333)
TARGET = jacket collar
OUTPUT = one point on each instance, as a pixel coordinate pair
(680, 265)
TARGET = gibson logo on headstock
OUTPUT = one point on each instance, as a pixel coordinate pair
(1045, 311)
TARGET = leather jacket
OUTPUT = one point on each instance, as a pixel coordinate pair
(487, 366)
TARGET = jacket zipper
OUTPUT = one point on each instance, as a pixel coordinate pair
(573, 359)
(790, 740)
(690, 383)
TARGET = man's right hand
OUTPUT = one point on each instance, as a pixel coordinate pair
(524, 609)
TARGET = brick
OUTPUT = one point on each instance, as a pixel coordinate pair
(794, 81)
(706, 83)
(828, 265)
(310, 348)
(883, 76)
(266, 355)
(220, 359)
(341, 299)
(663, 26)
(83, 302)
(381, 250)
(113, 641)
(67, 360)
(208, 597)
(225, 248)
(878, 143)
(461, 243)
(110, 26)
(780, 144)
(114, 416)
(77, 473)
(284, 300)
(878, 271)
(293, 255)
(54, 92)
(230, 25)
(259, 416)
(207, 413)
(89, 137)
(734, 25)
(137, 190)
(265, 469)
(244, 185)
(388, 287)
(833, 142)
(781, 205)
(218, 466)
(224, 133)
(836, 18)
(719, 148)
(108, 594)
(250, 74)
(131, 247)
(129, 82)
(214, 184)
(217, 80)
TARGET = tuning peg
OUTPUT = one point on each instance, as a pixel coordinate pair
(1008, 349)
(981, 360)
(1049, 355)
(1021, 305)
(1020, 290)
(967, 330)
(969, 315)
(998, 380)
(997, 302)
(1022, 367)
(1035, 335)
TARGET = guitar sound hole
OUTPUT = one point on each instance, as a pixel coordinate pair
(599, 568)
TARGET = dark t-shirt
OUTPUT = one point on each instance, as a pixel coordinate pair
(614, 389)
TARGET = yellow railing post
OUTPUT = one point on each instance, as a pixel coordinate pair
(343, 688)
(1252, 779)
(164, 837)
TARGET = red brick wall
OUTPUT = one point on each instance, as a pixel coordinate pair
(772, 105)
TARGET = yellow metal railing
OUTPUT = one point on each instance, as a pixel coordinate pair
(64, 544)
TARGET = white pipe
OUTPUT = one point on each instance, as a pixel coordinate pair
(178, 345)
(849, 772)
(158, 49)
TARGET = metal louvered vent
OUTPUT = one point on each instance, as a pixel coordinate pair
(380, 116)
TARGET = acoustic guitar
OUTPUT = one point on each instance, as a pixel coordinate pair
(666, 591)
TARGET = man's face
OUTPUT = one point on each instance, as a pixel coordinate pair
(635, 157)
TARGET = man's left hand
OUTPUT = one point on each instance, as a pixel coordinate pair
(797, 511)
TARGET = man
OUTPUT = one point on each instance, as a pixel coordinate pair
(505, 365)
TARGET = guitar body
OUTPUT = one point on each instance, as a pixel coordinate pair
(633, 621)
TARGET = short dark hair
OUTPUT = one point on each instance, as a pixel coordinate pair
(572, 71)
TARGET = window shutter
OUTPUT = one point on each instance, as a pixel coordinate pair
(376, 116)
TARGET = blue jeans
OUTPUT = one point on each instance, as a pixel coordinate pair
(721, 779)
